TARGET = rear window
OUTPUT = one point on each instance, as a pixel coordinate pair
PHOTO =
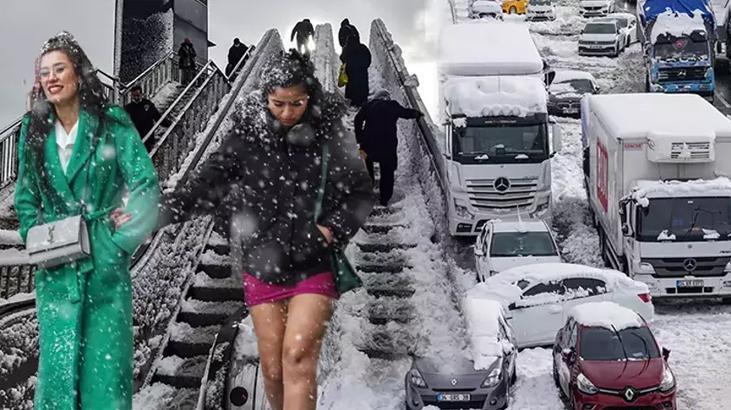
(600, 28)
(509, 244)
(636, 343)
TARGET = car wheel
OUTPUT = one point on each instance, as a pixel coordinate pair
(513, 10)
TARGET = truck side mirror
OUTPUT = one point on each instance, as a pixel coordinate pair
(665, 353)
(549, 77)
(569, 355)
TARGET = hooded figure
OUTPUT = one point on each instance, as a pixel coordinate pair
(186, 61)
(375, 131)
(235, 54)
(304, 32)
(357, 59)
(76, 156)
(346, 31)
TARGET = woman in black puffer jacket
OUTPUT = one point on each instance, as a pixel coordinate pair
(273, 154)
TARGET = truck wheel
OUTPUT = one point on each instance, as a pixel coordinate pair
(603, 246)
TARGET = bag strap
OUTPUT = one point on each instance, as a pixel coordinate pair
(94, 142)
(323, 181)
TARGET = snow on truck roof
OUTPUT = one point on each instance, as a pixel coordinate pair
(645, 189)
(479, 49)
(660, 116)
(607, 315)
(677, 24)
(493, 96)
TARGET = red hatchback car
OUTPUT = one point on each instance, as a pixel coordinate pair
(605, 357)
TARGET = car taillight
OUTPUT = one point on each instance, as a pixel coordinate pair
(645, 297)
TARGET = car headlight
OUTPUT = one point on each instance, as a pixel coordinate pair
(668, 380)
(493, 378)
(585, 385)
(728, 267)
(416, 378)
(462, 210)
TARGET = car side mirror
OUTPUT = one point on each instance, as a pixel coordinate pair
(508, 347)
(512, 306)
(550, 76)
(478, 251)
(626, 230)
(569, 355)
(665, 353)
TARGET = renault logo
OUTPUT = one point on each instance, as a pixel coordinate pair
(501, 184)
(630, 394)
(690, 264)
(454, 382)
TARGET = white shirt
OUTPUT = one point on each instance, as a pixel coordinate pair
(65, 142)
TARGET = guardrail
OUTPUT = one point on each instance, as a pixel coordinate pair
(326, 61)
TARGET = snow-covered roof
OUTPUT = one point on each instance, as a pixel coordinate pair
(568, 75)
(676, 24)
(487, 6)
(491, 96)
(659, 115)
(522, 226)
(482, 319)
(482, 49)
(668, 189)
(628, 16)
(503, 286)
(606, 314)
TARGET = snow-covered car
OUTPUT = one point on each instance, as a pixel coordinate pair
(602, 38)
(538, 297)
(567, 90)
(596, 8)
(486, 9)
(504, 245)
(481, 380)
(605, 356)
(628, 24)
(540, 10)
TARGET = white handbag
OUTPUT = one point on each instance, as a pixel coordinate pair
(58, 242)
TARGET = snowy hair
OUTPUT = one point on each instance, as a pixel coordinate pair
(91, 94)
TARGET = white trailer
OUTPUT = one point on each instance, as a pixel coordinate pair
(498, 143)
(658, 167)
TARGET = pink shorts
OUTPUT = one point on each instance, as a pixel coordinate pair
(257, 291)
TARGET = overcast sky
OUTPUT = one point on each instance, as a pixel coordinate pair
(26, 24)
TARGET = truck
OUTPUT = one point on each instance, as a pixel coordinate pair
(678, 38)
(497, 138)
(659, 190)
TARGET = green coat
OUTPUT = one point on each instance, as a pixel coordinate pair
(85, 308)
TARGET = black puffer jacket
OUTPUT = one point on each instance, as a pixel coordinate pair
(278, 173)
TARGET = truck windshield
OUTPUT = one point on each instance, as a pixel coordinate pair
(635, 343)
(682, 49)
(501, 143)
(511, 244)
(685, 219)
(600, 28)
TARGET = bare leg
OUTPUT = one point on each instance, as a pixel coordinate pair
(307, 319)
(269, 321)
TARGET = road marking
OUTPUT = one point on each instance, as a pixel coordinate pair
(723, 100)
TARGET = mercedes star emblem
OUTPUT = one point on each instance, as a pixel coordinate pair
(682, 73)
(454, 382)
(690, 264)
(630, 394)
(501, 184)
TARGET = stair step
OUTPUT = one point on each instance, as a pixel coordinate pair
(219, 248)
(395, 310)
(216, 271)
(179, 382)
(385, 210)
(183, 332)
(186, 350)
(381, 267)
(398, 340)
(383, 247)
(216, 294)
(379, 354)
(181, 372)
(202, 319)
(390, 292)
(381, 228)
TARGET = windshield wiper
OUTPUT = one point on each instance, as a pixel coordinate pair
(621, 343)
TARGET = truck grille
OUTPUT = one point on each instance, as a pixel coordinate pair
(698, 150)
(675, 267)
(493, 193)
(681, 74)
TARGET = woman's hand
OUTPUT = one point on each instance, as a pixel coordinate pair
(326, 233)
(120, 218)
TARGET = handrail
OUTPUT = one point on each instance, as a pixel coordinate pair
(452, 9)
(325, 60)
(149, 69)
(239, 64)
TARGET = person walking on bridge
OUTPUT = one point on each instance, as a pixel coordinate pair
(290, 152)
(357, 59)
(186, 61)
(375, 131)
(144, 115)
(76, 156)
(235, 54)
(346, 31)
(304, 32)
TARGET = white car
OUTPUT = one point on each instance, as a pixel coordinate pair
(602, 38)
(596, 8)
(539, 297)
(628, 24)
(486, 9)
(504, 245)
(540, 10)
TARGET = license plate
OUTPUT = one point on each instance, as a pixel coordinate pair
(453, 397)
(571, 110)
(689, 283)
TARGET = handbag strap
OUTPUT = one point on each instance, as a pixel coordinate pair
(323, 181)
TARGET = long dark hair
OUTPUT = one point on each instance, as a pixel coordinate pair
(91, 97)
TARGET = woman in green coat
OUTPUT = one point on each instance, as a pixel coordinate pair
(75, 148)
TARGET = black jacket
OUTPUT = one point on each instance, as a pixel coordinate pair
(302, 30)
(235, 53)
(186, 56)
(144, 114)
(375, 128)
(346, 32)
(357, 59)
(278, 183)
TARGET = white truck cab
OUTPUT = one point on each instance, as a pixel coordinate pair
(497, 138)
(659, 190)
(504, 245)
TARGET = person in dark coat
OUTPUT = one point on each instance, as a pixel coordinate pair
(304, 32)
(346, 31)
(186, 61)
(274, 153)
(235, 54)
(357, 59)
(144, 114)
(375, 132)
